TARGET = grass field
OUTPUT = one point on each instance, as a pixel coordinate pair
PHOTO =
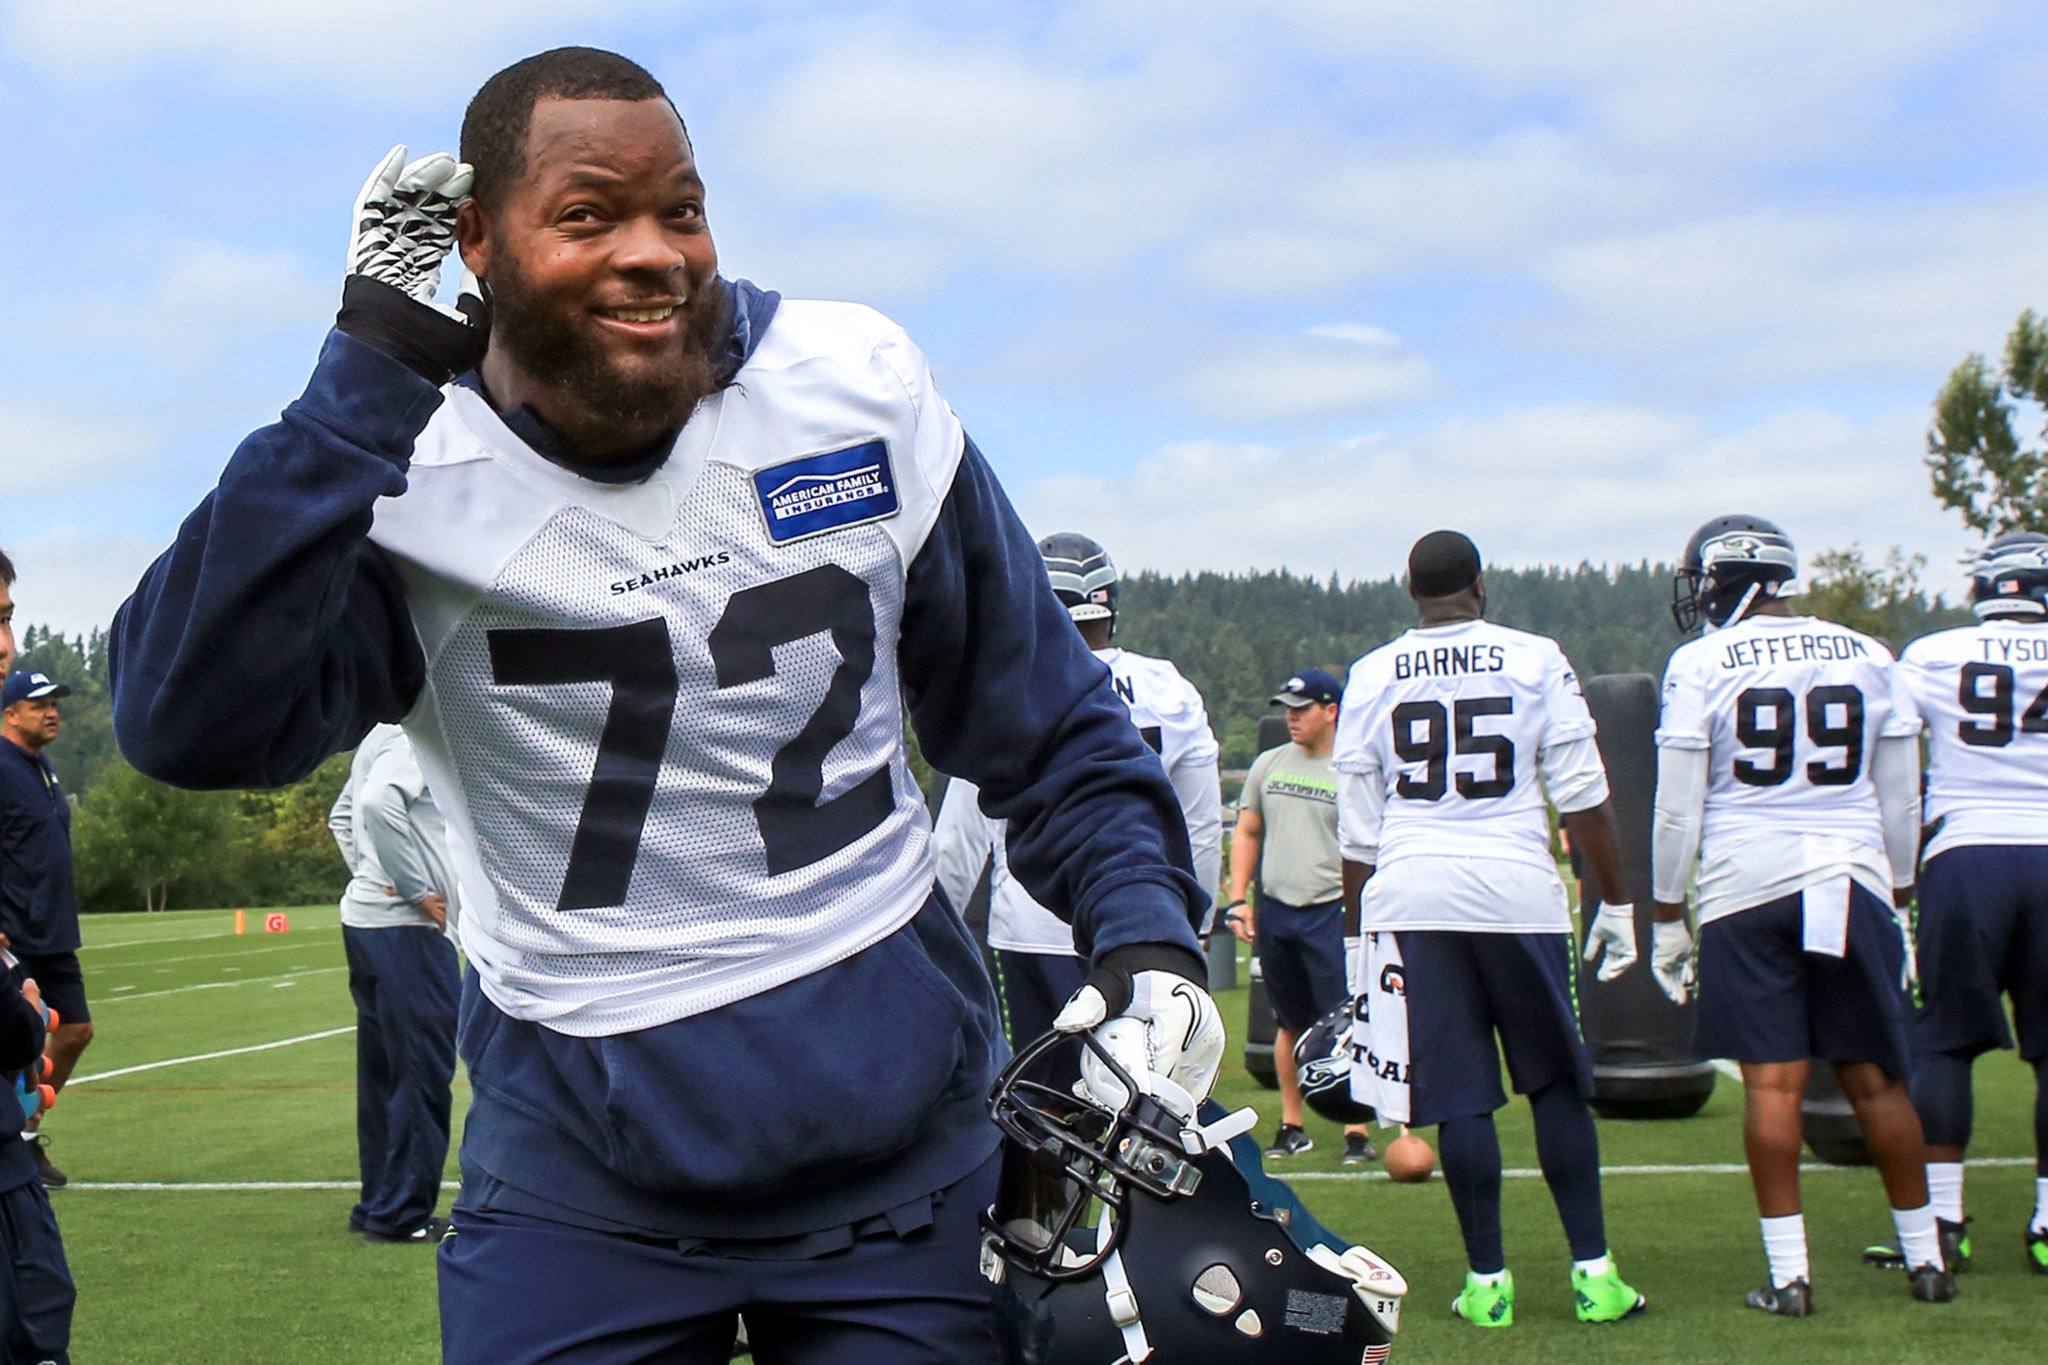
(205, 1220)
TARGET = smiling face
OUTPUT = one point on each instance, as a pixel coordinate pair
(601, 272)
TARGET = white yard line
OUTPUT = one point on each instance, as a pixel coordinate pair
(218, 985)
(1704, 1168)
(208, 957)
(208, 1056)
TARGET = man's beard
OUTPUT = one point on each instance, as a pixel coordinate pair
(603, 400)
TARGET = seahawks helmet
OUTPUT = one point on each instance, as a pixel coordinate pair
(2010, 577)
(1129, 1235)
(1729, 564)
(1083, 578)
(1322, 1061)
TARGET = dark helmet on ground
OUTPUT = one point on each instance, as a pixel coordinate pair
(1129, 1235)
(1729, 564)
(2010, 576)
(1322, 1061)
(1083, 578)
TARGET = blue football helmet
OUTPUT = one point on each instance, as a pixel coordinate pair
(1083, 578)
(1323, 1060)
(2010, 576)
(1729, 564)
(1128, 1235)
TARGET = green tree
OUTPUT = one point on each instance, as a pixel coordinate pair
(1885, 600)
(1975, 460)
(138, 840)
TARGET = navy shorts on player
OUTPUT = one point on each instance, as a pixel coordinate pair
(62, 982)
(1301, 957)
(1031, 989)
(1764, 998)
(1982, 933)
(36, 1293)
(1463, 988)
(516, 1288)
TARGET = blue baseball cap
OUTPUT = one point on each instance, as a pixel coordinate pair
(1307, 687)
(30, 687)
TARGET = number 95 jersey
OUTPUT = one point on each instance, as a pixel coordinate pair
(1791, 708)
(663, 717)
(1453, 723)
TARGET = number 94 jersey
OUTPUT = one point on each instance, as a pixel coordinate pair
(664, 717)
(1983, 692)
(1453, 724)
(1791, 708)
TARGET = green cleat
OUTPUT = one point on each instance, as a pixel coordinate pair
(2037, 1252)
(1605, 1297)
(1486, 1305)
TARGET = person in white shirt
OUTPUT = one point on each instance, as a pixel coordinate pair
(1038, 968)
(1449, 740)
(403, 975)
(1982, 924)
(1788, 765)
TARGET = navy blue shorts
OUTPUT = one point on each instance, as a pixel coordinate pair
(1461, 990)
(1032, 988)
(1764, 998)
(516, 1288)
(62, 982)
(1301, 956)
(1982, 932)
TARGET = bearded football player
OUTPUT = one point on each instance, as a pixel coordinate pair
(648, 566)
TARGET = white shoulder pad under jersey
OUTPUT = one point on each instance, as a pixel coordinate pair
(1983, 692)
(663, 717)
(1791, 709)
(1452, 722)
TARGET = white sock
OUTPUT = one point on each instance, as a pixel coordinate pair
(1785, 1245)
(1945, 1189)
(1597, 1266)
(29, 1135)
(1917, 1241)
(1495, 1278)
(2040, 1223)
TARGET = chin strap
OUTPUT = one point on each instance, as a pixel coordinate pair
(1707, 626)
(1117, 1293)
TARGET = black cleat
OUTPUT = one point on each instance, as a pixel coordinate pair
(427, 1233)
(1291, 1140)
(52, 1178)
(1931, 1284)
(1794, 1300)
(1358, 1150)
(1955, 1244)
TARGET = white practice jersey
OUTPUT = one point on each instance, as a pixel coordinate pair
(1453, 733)
(663, 717)
(1983, 692)
(1169, 713)
(1790, 710)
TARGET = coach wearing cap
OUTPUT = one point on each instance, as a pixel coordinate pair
(38, 906)
(1287, 833)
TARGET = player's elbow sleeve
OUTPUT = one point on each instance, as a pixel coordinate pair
(1676, 820)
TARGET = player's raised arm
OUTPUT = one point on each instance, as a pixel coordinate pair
(271, 595)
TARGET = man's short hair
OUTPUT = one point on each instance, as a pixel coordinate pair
(6, 570)
(495, 125)
(1442, 563)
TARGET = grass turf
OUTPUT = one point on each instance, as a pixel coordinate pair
(205, 1275)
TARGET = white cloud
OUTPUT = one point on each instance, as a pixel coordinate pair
(47, 450)
(1546, 485)
(72, 578)
(1330, 368)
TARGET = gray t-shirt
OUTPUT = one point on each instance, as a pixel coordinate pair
(1296, 795)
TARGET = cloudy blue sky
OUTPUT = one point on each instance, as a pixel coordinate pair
(1226, 285)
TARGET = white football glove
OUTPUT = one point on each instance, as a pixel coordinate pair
(1158, 1025)
(1614, 929)
(405, 221)
(400, 237)
(1671, 958)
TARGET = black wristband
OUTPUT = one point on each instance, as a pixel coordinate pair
(417, 335)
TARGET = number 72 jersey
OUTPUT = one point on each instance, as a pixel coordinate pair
(1791, 709)
(664, 717)
(1983, 692)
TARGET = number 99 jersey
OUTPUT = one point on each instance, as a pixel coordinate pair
(1983, 692)
(1791, 708)
(664, 717)
(1453, 723)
